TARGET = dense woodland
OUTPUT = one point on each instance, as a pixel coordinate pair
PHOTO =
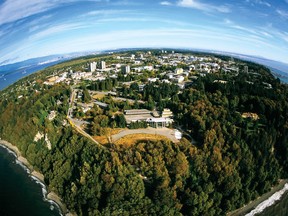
(233, 161)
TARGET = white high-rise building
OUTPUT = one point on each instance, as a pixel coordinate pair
(246, 70)
(92, 66)
(125, 69)
(103, 65)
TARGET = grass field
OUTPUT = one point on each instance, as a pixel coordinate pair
(98, 96)
(104, 139)
(134, 138)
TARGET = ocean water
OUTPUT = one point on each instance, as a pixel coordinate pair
(11, 75)
(280, 74)
(19, 194)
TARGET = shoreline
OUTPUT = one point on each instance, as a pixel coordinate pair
(252, 205)
(52, 197)
(38, 177)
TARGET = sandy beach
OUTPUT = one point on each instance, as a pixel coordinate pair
(253, 204)
(51, 196)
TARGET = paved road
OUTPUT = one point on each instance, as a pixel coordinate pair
(71, 101)
(77, 123)
(81, 131)
(169, 133)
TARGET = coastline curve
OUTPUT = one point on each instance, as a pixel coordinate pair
(38, 177)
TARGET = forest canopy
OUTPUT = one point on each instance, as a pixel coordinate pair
(233, 161)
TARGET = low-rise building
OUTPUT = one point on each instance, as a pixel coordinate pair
(159, 122)
(167, 113)
(178, 79)
(144, 115)
(101, 104)
(178, 70)
(52, 115)
(153, 79)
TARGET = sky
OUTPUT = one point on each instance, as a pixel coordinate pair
(36, 28)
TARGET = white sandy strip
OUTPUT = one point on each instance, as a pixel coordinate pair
(269, 202)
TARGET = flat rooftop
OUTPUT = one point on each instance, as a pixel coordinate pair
(134, 118)
(137, 112)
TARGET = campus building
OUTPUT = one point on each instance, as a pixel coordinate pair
(103, 65)
(92, 66)
(136, 115)
(125, 69)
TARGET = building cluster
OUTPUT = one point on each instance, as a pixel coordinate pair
(185, 67)
(152, 118)
(143, 68)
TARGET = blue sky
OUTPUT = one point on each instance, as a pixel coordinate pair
(34, 28)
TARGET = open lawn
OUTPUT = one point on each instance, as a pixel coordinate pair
(98, 96)
(134, 138)
(104, 139)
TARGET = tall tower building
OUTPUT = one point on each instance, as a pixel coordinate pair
(92, 66)
(246, 69)
(103, 65)
(125, 69)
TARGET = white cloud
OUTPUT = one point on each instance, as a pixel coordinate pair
(124, 19)
(196, 4)
(203, 37)
(283, 35)
(144, 19)
(252, 31)
(105, 12)
(259, 2)
(228, 21)
(255, 32)
(282, 13)
(13, 10)
(165, 3)
(276, 33)
(39, 23)
(62, 28)
(266, 34)
(263, 3)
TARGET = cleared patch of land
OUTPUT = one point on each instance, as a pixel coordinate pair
(134, 138)
(98, 96)
(110, 132)
(165, 132)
